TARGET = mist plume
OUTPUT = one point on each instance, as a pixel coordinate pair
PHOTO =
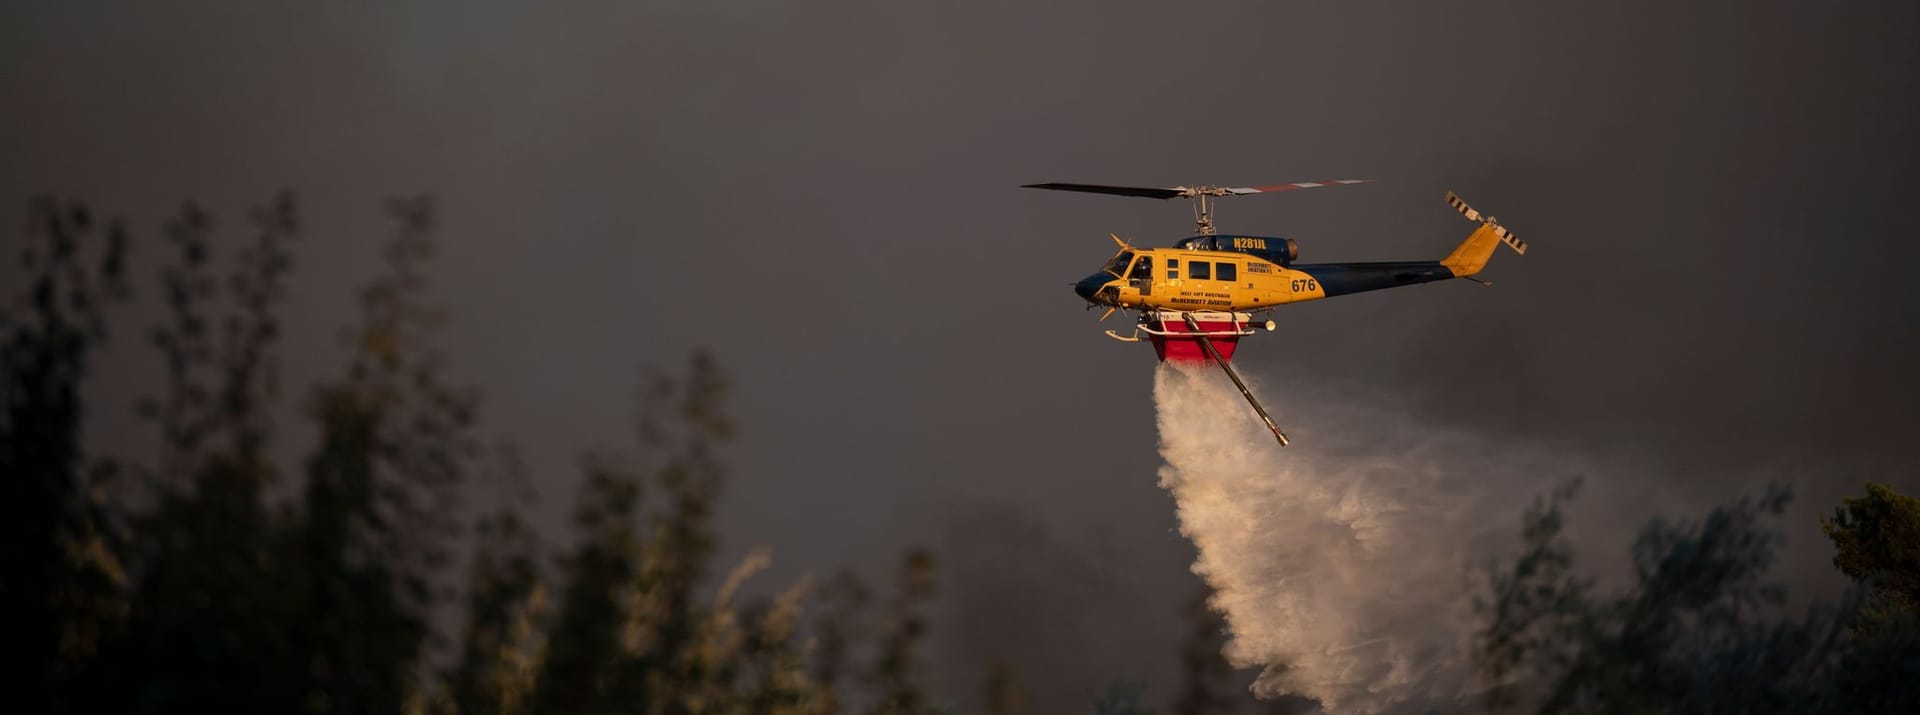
(1340, 563)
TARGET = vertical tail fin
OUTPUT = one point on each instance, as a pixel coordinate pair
(1471, 255)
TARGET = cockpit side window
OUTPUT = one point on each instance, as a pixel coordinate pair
(1142, 269)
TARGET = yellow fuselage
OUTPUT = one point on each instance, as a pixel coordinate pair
(1175, 279)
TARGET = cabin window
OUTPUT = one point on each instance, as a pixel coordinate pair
(1197, 270)
(1226, 271)
(1173, 269)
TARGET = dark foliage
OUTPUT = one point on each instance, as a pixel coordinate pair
(1204, 670)
(212, 583)
(1699, 630)
(1876, 538)
(60, 568)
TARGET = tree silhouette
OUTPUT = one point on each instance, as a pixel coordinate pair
(61, 567)
(1877, 541)
(1202, 667)
(212, 584)
(584, 647)
(1698, 631)
(896, 674)
(494, 670)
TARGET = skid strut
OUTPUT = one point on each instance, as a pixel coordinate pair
(1224, 365)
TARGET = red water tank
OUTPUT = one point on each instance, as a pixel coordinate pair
(1224, 330)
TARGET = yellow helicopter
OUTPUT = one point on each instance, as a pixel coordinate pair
(1197, 298)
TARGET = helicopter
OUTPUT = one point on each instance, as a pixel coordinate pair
(1197, 298)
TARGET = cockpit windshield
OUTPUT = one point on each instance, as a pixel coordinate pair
(1118, 265)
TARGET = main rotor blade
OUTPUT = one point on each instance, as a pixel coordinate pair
(1270, 188)
(1149, 192)
(1142, 192)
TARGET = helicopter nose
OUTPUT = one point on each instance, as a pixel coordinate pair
(1090, 285)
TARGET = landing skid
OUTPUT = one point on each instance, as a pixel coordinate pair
(1207, 345)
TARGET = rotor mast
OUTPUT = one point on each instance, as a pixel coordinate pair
(1203, 205)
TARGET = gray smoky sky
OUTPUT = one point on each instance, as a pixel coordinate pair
(1718, 196)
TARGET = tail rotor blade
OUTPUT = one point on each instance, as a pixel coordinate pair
(1506, 236)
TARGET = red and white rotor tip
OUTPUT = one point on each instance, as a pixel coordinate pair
(1271, 188)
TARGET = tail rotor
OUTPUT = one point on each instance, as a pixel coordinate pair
(1506, 236)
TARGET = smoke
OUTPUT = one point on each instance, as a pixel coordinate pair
(1341, 563)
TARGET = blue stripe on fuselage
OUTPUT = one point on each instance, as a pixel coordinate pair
(1344, 278)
